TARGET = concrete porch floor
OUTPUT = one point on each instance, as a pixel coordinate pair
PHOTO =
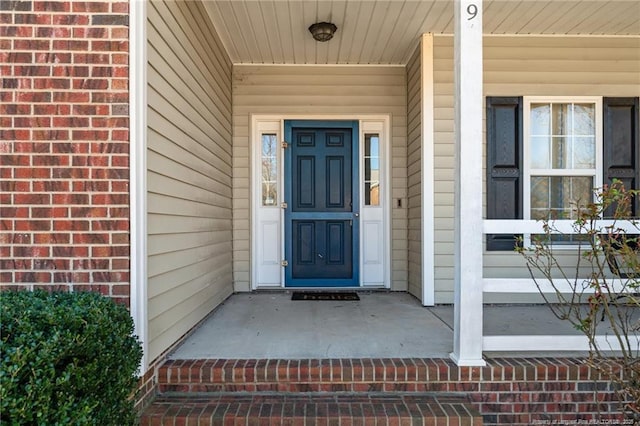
(380, 325)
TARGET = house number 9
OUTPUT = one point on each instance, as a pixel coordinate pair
(472, 10)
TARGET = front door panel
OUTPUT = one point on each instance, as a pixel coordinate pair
(321, 191)
(322, 249)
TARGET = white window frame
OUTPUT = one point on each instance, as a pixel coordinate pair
(527, 171)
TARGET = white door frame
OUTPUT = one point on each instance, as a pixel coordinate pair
(266, 272)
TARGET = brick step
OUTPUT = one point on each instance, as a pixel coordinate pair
(317, 375)
(507, 391)
(310, 409)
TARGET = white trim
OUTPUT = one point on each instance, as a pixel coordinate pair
(531, 35)
(467, 362)
(427, 173)
(342, 65)
(528, 285)
(388, 212)
(528, 172)
(534, 35)
(561, 172)
(551, 343)
(138, 173)
(530, 226)
(468, 96)
(254, 153)
(320, 117)
(283, 244)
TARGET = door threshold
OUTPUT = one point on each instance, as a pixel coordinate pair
(335, 289)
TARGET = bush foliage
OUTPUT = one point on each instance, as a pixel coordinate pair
(67, 358)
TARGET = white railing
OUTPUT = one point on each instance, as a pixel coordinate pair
(526, 343)
(519, 226)
(528, 285)
(553, 343)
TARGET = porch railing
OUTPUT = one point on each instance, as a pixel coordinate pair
(528, 285)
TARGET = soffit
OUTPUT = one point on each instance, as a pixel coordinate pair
(387, 31)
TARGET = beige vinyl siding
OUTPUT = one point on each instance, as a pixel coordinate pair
(414, 163)
(520, 66)
(319, 91)
(189, 171)
(443, 168)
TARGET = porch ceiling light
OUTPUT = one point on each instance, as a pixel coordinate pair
(322, 31)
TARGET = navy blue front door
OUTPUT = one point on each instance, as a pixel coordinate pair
(321, 219)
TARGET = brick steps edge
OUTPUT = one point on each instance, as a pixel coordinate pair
(507, 391)
(311, 375)
(359, 375)
(310, 409)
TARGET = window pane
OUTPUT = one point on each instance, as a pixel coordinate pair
(584, 117)
(539, 152)
(539, 197)
(584, 152)
(269, 170)
(570, 140)
(269, 194)
(269, 148)
(560, 153)
(561, 119)
(558, 197)
(540, 114)
(371, 169)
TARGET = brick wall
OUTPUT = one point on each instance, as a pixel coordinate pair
(508, 391)
(64, 148)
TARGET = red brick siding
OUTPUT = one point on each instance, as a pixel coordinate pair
(64, 165)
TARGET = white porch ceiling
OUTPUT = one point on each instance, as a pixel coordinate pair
(387, 31)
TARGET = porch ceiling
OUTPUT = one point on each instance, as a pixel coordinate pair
(387, 31)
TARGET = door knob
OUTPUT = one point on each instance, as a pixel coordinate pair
(320, 256)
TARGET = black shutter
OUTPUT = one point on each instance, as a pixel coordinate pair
(504, 165)
(621, 152)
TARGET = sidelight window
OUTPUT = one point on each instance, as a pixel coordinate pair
(371, 169)
(269, 170)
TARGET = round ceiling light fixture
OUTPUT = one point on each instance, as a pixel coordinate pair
(322, 31)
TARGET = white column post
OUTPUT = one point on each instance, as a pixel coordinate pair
(467, 344)
(427, 189)
(138, 172)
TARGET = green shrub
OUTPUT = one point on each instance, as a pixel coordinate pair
(67, 358)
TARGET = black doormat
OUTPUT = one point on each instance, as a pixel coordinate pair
(315, 295)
